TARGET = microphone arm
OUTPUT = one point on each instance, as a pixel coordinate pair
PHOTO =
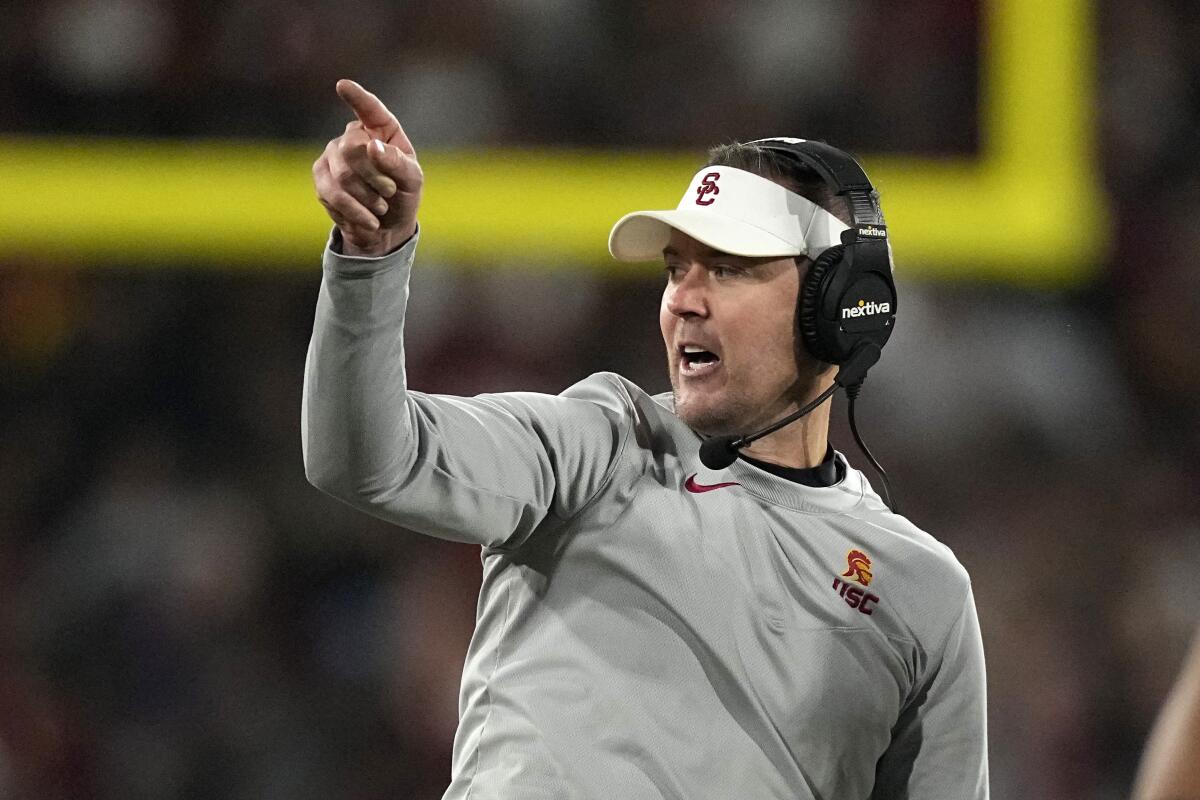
(718, 452)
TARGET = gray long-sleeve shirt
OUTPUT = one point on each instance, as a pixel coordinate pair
(649, 628)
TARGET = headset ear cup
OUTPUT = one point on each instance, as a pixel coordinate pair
(808, 308)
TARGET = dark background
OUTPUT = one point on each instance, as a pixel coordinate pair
(182, 616)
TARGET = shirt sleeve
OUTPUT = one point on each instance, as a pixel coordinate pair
(939, 745)
(486, 470)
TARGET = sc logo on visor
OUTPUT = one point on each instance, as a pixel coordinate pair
(707, 191)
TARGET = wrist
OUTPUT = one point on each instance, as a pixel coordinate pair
(387, 241)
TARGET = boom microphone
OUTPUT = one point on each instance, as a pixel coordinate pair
(718, 452)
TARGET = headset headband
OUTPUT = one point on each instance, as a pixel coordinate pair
(839, 170)
(848, 296)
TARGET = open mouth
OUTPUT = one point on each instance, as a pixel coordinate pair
(695, 361)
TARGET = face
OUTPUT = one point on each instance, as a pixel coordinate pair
(728, 323)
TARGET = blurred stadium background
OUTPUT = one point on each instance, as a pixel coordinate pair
(182, 616)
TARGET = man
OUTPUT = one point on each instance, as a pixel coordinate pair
(648, 626)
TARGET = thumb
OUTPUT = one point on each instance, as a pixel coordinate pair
(393, 161)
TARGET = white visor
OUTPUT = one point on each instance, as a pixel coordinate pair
(733, 211)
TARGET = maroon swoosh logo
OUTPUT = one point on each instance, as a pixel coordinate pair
(691, 485)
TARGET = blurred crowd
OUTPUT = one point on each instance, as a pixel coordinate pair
(485, 72)
(182, 616)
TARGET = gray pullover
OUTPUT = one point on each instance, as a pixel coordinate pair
(649, 628)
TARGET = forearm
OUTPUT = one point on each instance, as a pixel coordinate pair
(355, 421)
(483, 469)
(1170, 767)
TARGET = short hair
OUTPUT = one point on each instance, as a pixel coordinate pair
(788, 172)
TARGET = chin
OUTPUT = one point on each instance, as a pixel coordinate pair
(706, 418)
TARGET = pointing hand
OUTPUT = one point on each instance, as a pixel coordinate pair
(368, 178)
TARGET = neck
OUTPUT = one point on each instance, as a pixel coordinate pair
(802, 444)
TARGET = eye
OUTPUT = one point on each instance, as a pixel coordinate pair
(721, 271)
(674, 271)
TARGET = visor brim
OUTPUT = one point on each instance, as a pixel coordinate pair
(642, 235)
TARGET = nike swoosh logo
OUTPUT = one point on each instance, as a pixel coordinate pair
(691, 485)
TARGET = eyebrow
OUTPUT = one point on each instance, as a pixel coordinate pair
(704, 252)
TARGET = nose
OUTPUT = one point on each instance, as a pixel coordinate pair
(687, 294)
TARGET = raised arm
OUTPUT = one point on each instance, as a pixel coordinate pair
(487, 470)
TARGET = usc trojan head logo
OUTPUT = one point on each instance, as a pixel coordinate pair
(858, 567)
(708, 186)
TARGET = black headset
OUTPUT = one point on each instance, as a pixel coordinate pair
(847, 303)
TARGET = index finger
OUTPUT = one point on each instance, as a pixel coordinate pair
(373, 114)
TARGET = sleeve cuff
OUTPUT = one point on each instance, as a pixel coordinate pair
(338, 261)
